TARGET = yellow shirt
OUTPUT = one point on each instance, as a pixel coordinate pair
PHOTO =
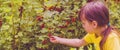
(112, 42)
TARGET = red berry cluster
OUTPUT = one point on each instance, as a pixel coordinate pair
(56, 8)
(67, 22)
(62, 26)
(73, 19)
(42, 26)
(0, 22)
(72, 31)
(49, 34)
(44, 42)
(39, 18)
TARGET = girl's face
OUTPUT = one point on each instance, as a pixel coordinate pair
(88, 26)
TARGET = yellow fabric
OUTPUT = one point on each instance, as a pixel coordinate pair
(112, 42)
(73, 48)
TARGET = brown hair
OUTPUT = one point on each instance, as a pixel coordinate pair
(97, 11)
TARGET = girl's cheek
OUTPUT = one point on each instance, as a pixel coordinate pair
(83, 26)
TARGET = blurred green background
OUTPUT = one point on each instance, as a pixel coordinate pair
(27, 24)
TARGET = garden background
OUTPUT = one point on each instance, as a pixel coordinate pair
(27, 24)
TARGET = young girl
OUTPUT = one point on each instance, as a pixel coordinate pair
(95, 20)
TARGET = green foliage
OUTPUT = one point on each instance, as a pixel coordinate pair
(114, 13)
(26, 24)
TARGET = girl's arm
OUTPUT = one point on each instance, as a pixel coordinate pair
(68, 42)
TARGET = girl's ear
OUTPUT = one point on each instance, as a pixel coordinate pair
(94, 24)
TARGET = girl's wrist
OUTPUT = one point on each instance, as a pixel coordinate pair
(59, 39)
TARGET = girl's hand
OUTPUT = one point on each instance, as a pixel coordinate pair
(54, 39)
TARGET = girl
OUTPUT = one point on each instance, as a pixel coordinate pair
(95, 20)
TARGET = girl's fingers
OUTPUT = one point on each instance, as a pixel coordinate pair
(52, 38)
(49, 35)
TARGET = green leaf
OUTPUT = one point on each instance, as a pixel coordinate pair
(44, 30)
(50, 3)
(9, 19)
(18, 2)
(5, 27)
(32, 48)
(73, 48)
(9, 38)
(89, 47)
(38, 45)
(55, 22)
(25, 40)
(39, 10)
(30, 23)
(29, 29)
(41, 37)
(48, 14)
(2, 41)
(6, 9)
(20, 34)
(81, 48)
